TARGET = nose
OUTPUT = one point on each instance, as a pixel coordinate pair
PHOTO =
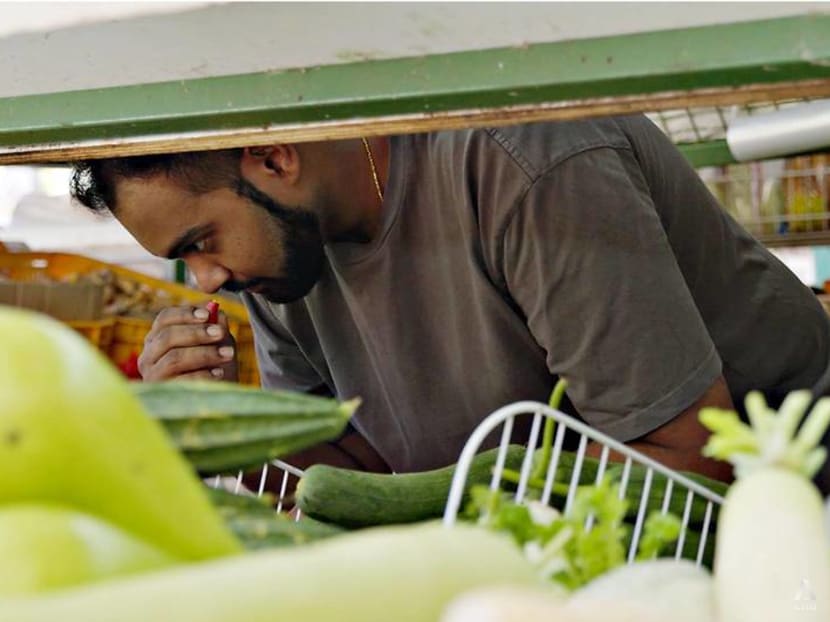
(210, 276)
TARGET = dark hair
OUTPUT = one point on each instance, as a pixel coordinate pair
(93, 181)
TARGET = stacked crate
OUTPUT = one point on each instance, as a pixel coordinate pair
(110, 305)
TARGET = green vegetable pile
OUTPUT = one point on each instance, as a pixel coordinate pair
(93, 488)
(103, 518)
(103, 515)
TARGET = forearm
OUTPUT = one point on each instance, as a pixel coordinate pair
(350, 451)
(677, 460)
(678, 444)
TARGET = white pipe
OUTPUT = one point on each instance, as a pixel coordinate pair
(792, 130)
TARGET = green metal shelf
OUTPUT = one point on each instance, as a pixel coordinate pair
(708, 153)
(738, 63)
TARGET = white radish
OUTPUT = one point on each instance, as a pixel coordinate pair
(504, 604)
(772, 560)
(827, 516)
(676, 590)
(522, 604)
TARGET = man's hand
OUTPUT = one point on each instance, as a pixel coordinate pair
(183, 344)
(678, 443)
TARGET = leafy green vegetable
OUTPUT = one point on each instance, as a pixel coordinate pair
(659, 530)
(772, 438)
(591, 553)
(572, 550)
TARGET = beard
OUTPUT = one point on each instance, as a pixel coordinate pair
(303, 256)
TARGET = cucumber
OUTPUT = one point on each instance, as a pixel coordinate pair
(278, 530)
(562, 478)
(258, 526)
(677, 501)
(223, 427)
(357, 499)
(633, 490)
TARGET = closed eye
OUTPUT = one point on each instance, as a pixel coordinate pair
(194, 240)
(197, 246)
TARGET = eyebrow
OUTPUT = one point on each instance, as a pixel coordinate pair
(185, 240)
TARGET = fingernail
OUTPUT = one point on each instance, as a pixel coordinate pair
(201, 314)
(214, 331)
(226, 352)
(218, 372)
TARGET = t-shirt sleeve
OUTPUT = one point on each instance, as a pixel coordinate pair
(282, 365)
(586, 259)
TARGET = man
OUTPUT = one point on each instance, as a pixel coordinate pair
(441, 276)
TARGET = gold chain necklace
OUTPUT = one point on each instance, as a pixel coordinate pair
(374, 169)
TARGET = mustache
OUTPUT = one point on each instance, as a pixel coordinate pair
(232, 285)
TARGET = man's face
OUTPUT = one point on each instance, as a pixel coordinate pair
(229, 239)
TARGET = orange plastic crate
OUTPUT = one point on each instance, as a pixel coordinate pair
(99, 332)
(123, 336)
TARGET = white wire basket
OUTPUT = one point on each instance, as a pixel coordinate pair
(506, 416)
(276, 468)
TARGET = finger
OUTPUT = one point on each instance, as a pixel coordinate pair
(182, 314)
(222, 319)
(185, 360)
(223, 322)
(229, 372)
(202, 374)
(157, 344)
(228, 337)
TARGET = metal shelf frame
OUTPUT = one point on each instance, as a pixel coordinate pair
(716, 65)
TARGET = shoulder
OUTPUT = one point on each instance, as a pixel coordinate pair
(540, 147)
(529, 149)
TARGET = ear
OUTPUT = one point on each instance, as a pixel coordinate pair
(280, 162)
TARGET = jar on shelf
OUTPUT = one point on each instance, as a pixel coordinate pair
(806, 189)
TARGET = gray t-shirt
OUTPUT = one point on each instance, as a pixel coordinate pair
(510, 256)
